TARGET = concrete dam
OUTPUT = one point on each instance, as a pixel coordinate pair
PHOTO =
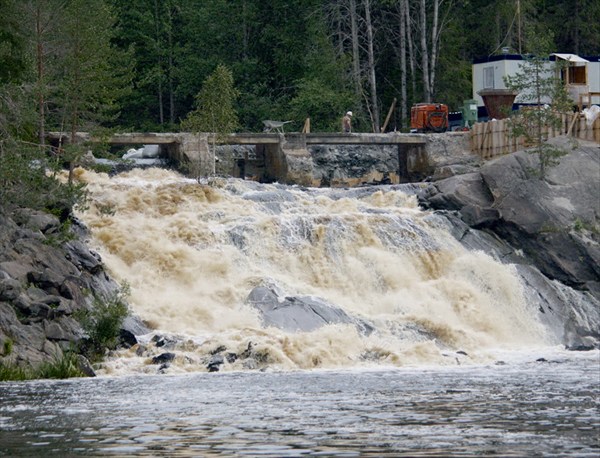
(313, 159)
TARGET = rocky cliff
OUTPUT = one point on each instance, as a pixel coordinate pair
(550, 225)
(47, 277)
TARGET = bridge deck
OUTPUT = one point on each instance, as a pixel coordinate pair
(269, 138)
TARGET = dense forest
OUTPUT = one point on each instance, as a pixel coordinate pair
(74, 65)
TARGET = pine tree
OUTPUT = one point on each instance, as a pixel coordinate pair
(94, 75)
(538, 83)
(215, 112)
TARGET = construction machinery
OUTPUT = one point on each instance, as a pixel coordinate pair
(429, 117)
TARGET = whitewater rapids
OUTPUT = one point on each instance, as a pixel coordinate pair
(191, 253)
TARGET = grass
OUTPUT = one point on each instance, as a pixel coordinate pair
(61, 368)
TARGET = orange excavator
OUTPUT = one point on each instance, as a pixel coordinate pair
(429, 117)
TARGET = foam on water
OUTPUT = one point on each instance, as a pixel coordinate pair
(191, 254)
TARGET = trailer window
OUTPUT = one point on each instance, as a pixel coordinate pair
(488, 77)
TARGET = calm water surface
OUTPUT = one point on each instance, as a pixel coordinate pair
(528, 409)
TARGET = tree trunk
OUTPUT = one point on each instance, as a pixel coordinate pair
(355, 48)
(434, 46)
(160, 69)
(40, 76)
(371, 63)
(404, 102)
(171, 67)
(424, 52)
(411, 52)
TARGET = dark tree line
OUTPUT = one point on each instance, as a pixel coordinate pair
(72, 64)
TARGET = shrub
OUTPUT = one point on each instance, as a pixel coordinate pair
(103, 321)
(63, 367)
(27, 179)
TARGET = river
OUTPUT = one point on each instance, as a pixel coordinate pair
(521, 408)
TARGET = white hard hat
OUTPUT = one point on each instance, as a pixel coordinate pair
(349, 113)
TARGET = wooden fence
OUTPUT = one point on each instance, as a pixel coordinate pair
(493, 138)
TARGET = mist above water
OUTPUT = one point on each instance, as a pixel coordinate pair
(192, 253)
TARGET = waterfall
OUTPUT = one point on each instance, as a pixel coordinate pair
(192, 253)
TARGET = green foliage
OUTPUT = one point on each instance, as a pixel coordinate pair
(537, 82)
(215, 112)
(12, 48)
(27, 180)
(322, 94)
(64, 234)
(93, 75)
(7, 347)
(321, 103)
(580, 225)
(10, 371)
(103, 321)
(139, 64)
(64, 367)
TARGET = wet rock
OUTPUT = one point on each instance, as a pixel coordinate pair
(592, 345)
(38, 317)
(85, 367)
(163, 358)
(215, 363)
(250, 364)
(302, 313)
(140, 350)
(47, 280)
(231, 357)
(127, 339)
(135, 326)
(219, 349)
(163, 341)
(54, 331)
(39, 310)
(17, 269)
(36, 220)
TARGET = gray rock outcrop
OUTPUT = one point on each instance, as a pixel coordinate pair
(45, 281)
(552, 223)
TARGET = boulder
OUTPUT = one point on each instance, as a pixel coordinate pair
(36, 220)
(9, 289)
(163, 358)
(299, 313)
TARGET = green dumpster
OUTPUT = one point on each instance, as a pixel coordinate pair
(469, 112)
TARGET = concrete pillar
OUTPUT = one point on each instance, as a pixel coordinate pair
(195, 157)
(289, 161)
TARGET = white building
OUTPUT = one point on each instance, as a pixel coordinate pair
(582, 75)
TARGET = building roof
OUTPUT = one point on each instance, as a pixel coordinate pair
(569, 57)
(563, 56)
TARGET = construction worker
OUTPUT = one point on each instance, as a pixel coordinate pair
(347, 122)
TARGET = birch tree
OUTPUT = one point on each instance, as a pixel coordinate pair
(432, 21)
(374, 105)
